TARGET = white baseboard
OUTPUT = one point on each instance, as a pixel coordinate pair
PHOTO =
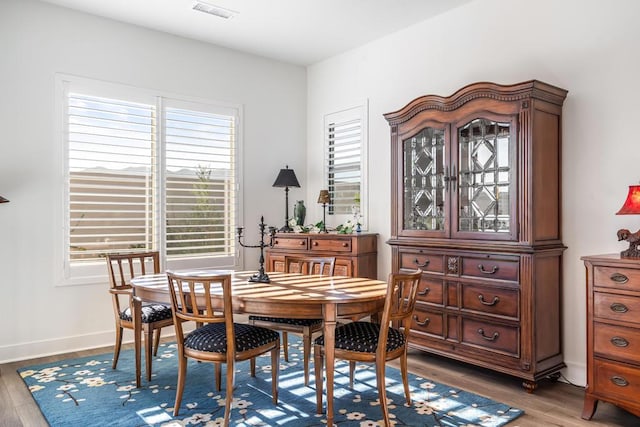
(575, 373)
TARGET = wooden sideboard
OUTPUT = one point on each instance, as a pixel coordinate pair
(356, 254)
(613, 333)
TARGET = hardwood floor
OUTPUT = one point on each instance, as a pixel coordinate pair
(553, 404)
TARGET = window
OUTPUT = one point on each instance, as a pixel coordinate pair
(147, 172)
(345, 161)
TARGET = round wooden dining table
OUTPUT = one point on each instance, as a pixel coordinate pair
(289, 295)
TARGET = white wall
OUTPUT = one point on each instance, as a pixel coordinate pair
(38, 40)
(588, 47)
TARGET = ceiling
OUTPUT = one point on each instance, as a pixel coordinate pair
(300, 32)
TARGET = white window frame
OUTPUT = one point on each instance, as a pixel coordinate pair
(356, 111)
(87, 273)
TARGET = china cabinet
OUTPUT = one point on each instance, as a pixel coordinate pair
(613, 332)
(476, 204)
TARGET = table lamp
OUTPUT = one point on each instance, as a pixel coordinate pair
(325, 199)
(286, 178)
(631, 206)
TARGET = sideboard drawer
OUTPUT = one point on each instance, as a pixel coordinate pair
(491, 268)
(429, 263)
(333, 245)
(491, 336)
(488, 299)
(291, 243)
(617, 278)
(430, 290)
(617, 380)
(616, 307)
(616, 342)
(425, 321)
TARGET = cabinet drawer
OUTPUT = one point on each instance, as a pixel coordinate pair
(616, 380)
(290, 243)
(332, 245)
(489, 299)
(430, 290)
(493, 268)
(617, 342)
(427, 262)
(490, 336)
(425, 321)
(616, 307)
(618, 278)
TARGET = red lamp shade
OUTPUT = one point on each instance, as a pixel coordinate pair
(632, 204)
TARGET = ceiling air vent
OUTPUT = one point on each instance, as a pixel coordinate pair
(214, 10)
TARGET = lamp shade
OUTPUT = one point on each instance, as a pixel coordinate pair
(286, 178)
(324, 197)
(3, 200)
(632, 204)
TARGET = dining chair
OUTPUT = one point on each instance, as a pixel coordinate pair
(305, 327)
(122, 268)
(363, 341)
(207, 300)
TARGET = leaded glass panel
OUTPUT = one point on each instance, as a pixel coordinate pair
(485, 176)
(424, 183)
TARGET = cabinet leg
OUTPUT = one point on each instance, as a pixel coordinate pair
(529, 386)
(590, 405)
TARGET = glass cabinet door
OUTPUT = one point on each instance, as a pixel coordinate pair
(424, 203)
(486, 173)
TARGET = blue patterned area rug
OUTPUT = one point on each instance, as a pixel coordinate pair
(87, 392)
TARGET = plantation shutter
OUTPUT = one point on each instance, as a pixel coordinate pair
(343, 161)
(200, 182)
(110, 164)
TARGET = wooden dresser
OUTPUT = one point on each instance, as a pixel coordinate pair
(356, 254)
(475, 203)
(613, 333)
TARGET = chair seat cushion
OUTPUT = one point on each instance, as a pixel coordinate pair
(299, 322)
(150, 313)
(213, 337)
(363, 337)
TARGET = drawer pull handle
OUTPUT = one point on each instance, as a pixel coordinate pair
(344, 245)
(619, 308)
(493, 338)
(314, 243)
(619, 381)
(424, 292)
(421, 265)
(619, 278)
(619, 342)
(494, 302)
(419, 323)
(302, 242)
(492, 271)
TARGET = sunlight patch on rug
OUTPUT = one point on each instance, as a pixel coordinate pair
(86, 391)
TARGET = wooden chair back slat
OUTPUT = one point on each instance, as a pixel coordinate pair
(307, 265)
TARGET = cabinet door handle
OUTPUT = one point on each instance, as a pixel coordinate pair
(619, 278)
(619, 307)
(619, 342)
(492, 271)
(619, 381)
(423, 265)
(492, 338)
(424, 292)
(419, 323)
(494, 302)
(446, 179)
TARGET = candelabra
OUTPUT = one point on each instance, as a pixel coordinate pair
(260, 276)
